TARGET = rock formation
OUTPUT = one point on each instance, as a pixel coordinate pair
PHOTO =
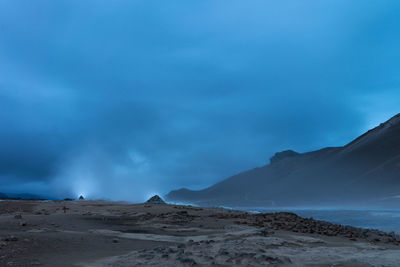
(156, 200)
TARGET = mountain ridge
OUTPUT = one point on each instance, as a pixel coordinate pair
(350, 174)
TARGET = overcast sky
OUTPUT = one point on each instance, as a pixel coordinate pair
(122, 99)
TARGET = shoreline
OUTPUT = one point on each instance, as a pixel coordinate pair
(319, 213)
(100, 233)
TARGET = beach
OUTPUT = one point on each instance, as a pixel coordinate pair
(101, 233)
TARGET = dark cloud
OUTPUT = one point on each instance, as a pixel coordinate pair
(128, 98)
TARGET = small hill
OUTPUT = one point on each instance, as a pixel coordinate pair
(156, 200)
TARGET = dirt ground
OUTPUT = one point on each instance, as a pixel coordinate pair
(99, 233)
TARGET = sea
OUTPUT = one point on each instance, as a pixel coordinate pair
(387, 220)
(384, 219)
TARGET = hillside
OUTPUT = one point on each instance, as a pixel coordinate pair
(364, 172)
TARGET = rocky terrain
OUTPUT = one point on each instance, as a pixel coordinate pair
(98, 233)
(363, 173)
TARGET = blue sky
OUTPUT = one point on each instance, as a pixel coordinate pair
(122, 99)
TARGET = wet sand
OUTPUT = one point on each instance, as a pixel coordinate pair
(99, 233)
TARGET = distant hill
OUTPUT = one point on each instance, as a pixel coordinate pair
(20, 196)
(363, 172)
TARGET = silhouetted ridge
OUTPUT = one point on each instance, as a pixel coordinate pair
(282, 155)
(364, 172)
(394, 121)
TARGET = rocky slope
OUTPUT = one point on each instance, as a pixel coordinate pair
(364, 172)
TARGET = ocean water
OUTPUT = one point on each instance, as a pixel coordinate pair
(385, 220)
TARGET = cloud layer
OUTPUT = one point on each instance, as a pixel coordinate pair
(123, 99)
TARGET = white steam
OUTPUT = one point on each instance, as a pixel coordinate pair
(96, 174)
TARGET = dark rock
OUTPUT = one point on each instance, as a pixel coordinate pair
(223, 252)
(159, 249)
(187, 261)
(155, 200)
(172, 250)
(183, 212)
(11, 238)
(282, 155)
(81, 198)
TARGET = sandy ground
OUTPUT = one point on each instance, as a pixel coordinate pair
(97, 234)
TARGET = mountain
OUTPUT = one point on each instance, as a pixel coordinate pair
(25, 196)
(364, 172)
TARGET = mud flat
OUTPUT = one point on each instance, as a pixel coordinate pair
(98, 233)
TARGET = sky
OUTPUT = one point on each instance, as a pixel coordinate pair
(125, 99)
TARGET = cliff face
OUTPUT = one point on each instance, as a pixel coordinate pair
(364, 172)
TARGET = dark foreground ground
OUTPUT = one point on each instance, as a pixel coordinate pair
(97, 233)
